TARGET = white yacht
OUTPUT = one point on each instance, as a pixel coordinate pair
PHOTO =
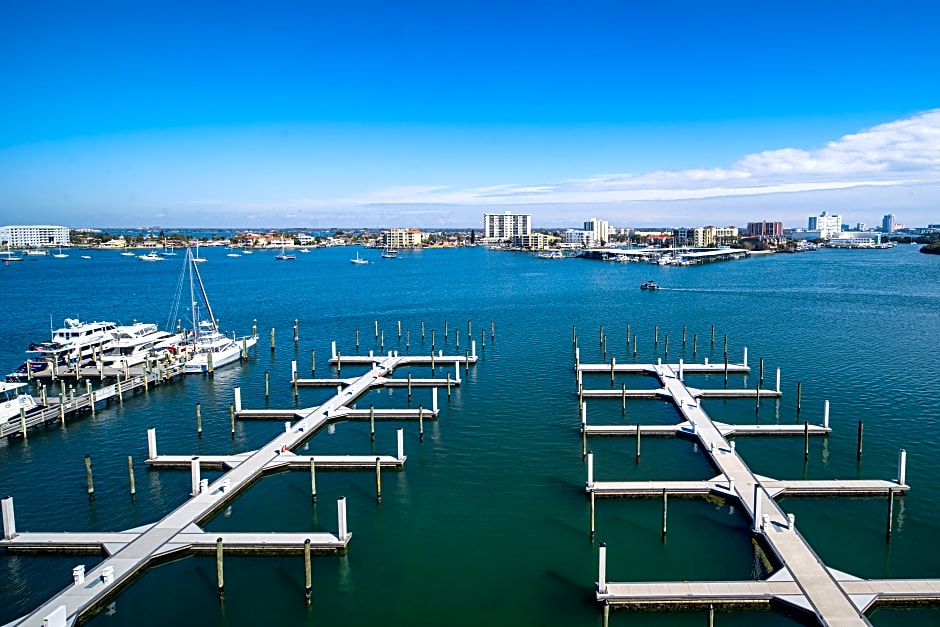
(208, 341)
(132, 344)
(151, 256)
(74, 342)
(11, 400)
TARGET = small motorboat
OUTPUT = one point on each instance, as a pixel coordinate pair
(649, 285)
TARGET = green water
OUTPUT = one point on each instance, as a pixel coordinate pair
(488, 521)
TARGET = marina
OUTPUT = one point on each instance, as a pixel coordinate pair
(500, 464)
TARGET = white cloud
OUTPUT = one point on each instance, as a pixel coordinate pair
(904, 152)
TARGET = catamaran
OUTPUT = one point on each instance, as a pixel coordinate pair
(210, 348)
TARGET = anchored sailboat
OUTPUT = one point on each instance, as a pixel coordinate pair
(211, 349)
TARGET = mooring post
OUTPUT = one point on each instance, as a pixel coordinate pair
(382, 340)
(492, 329)
(902, 466)
(432, 341)
(482, 339)
(861, 432)
(445, 330)
(9, 520)
(634, 345)
(890, 513)
(726, 368)
(231, 416)
(681, 370)
(296, 335)
(694, 344)
(434, 400)
(590, 469)
(656, 335)
(613, 366)
(91, 399)
(666, 346)
(209, 368)
(272, 339)
(308, 574)
(600, 335)
(376, 329)
(665, 510)
(194, 471)
(313, 360)
(422, 329)
(339, 363)
(592, 516)
(473, 351)
(313, 480)
(88, 477)
(457, 340)
(372, 422)
(711, 615)
(218, 568)
(805, 439)
(799, 396)
(266, 387)
(293, 377)
(638, 442)
(826, 414)
(343, 532)
(744, 359)
(23, 422)
(120, 392)
(401, 444)
(378, 479)
(623, 398)
(152, 443)
(238, 398)
(408, 339)
(420, 423)
(602, 568)
(757, 512)
(448, 385)
(760, 377)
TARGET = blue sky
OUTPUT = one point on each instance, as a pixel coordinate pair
(316, 114)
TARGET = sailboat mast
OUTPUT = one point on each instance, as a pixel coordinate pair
(202, 291)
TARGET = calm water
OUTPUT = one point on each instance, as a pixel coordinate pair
(488, 521)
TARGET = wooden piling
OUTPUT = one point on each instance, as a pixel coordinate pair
(482, 339)
(634, 344)
(209, 367)
(623, 398)
(91, 397)
(457, 339)
(88, 478)
(448, 384)
(726, 368)
(683, 334)
(357, 340)
(665, 511)
(492, 329)
(382, 340)
(296, 334)
(313, 361)
(266, 387)
(628, 336)
(469, 330)
(726, 344)
(805, 439)
(799, 396)
(313, 481)
(666, 346)
(130, 471)
(378, 479)
(407, 339)
(432, 342)
(713, 335)
(272, 339)
(339, 363)
(372, 422)
(656, 335)
(420, 423)
(694, 344)
(308, 574)
(23, 422)
(592, 515)
(637, 442)
(466, 362)
(218, 568)
(861, 433)
(613, 365)
(422, 329)
(600, 337)
(399, 329)
(231, 415)
(445, 330)
(376, 329)
(890, 513)
(199, 419)
(760, 378)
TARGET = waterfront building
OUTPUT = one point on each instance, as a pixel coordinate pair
(532, 241)
(850, 239)
(503, 226)
(827, 225)
(889, 224)
(580, 237)
(765, 230)
(600, 229)
(712, 236)
(402, 238)
(34, 236)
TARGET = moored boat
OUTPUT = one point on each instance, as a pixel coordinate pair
(12, 400)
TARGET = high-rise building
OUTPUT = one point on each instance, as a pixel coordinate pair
(600, 228)
(502, 226)
(889, 224)
(34, 236)
(827, 225)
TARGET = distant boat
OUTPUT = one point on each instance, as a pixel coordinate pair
(557, 254)
(151, 256)
(8, 256)
(197, 258)
(247, 252)
(35, 252)
(305, 250)
(86, 256)
(233, 255)
(358, 260)
(390, 253)
(649, 285)
(284, 256)
(127, 254)
(60, 254)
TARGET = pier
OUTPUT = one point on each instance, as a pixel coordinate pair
(129, 552)
(60, 408)
(804, 581)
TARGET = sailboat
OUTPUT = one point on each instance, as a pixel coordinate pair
(8, 256)
(358, 260)
(60, 254)
(197, 258)
(210, 348)
(285, 257)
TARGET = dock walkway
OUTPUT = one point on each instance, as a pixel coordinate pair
(129, 552)
(806, 581)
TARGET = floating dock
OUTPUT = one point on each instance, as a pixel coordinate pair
(804, 581)
(130, 552)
